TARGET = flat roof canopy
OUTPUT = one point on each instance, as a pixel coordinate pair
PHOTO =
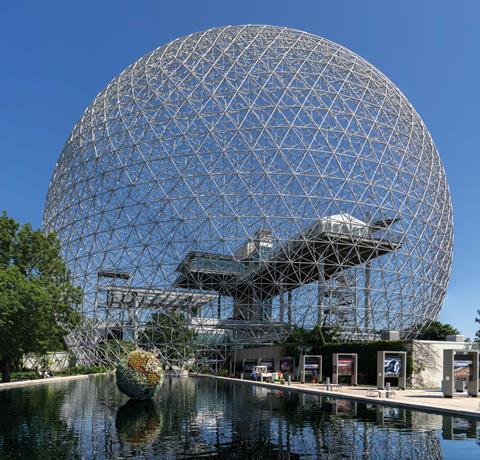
(325, 247)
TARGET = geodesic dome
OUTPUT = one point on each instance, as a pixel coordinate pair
(241, 180)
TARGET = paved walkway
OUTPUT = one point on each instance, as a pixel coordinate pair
(23, 383)
(428, 400)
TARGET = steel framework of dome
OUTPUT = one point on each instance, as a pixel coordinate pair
(241, 180)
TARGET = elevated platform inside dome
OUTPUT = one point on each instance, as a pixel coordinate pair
(128, 297)
(320, 251)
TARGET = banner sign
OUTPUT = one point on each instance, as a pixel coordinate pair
(310, 366)
(345, 365)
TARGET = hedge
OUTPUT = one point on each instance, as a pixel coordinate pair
(367, 356)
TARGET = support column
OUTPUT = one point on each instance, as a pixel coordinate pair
(282, 305)
(219, 307)
(289, 307)
(320, 294)
(367, 297)
(135, 321)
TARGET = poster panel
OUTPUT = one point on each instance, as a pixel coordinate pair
(286, 365)
(345, 365)
(392, 365)
(462, 369)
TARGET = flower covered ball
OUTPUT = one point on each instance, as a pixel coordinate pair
(139, 375)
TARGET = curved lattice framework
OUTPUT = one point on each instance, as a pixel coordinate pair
(240, 180)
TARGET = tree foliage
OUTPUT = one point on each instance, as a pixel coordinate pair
(477, 334)
(37, 300)
(304, 339)
(174, 340)
(115, 350)
(438, 331)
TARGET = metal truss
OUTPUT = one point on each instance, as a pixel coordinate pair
(242, 180)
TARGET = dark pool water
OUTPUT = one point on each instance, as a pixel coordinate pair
(200, 417)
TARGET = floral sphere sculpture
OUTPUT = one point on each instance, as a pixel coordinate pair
(139, 375)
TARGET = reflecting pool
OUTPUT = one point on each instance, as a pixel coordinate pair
(200, 417)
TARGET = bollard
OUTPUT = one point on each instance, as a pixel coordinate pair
(289, 379)
(387, 386)
(241, 375)
(261, 377)
(327, 380)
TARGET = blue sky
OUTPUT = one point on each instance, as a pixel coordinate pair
(57, 55)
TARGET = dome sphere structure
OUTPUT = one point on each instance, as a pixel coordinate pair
(242, 180)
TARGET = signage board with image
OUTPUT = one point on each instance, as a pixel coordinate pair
(286, 365)
(312, 368)
(462, 368)
(392, 365)
(345, 365)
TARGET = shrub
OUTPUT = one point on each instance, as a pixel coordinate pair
(24, 375)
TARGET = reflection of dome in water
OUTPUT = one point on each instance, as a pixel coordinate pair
(250, 178)
(138, 422)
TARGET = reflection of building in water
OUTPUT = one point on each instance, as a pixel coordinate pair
(458, 428)
(346, 407)
(260, 392)
(391, 416)
(200, 416)
(425, 421)
(80, 412)
(31, 426)
(302, 424)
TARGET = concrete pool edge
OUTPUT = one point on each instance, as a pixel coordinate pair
(24, 383)
(341, 395)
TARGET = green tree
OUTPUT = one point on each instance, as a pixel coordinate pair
(172, 337)
(313, 339)
(438, 331)
(115, 350)
(37, 300)
(477, 334)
